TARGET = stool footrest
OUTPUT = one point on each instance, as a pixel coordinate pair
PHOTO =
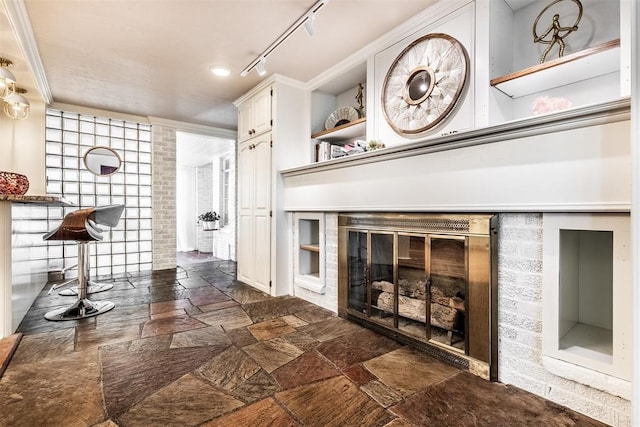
(92, 288)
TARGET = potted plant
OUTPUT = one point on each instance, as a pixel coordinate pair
(209, 220)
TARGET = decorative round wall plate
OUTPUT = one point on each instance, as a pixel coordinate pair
(341, 116)
(424, 83)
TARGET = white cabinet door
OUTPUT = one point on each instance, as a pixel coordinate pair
(254, 212)
(245, 121)
(262, 212)
(254, 115)
(245, 212)
(262, 112)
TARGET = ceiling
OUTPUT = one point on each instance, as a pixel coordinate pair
(152, 57)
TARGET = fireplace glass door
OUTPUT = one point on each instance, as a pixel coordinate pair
(357, 267)
(381, 279)
(447, 289)
(412, 286)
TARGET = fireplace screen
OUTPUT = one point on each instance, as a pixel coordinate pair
(433, 286)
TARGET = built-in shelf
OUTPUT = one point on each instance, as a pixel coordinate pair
(311, 247)
(341, 133)
(586, 64)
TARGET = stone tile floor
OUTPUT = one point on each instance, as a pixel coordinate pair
(194, 347)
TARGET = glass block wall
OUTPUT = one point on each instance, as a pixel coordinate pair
(126, 248)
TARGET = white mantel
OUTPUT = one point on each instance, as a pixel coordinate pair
(573, 161)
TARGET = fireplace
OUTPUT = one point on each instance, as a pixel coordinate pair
(428, 280)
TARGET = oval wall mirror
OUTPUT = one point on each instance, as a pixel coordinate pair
(102, 161)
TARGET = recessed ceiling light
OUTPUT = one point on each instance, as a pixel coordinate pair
(220, 71)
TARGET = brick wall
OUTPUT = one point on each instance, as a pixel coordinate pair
(163, 139)
(520, 363)
(205, 203)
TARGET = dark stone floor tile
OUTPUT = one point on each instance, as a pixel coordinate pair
(215, 296)
(270, 329)
(305, 369)
(407, 371)
(315, 314)
(209, 336)
(358, 374)
(48, 392)
(356, 347)
(330, 329)
(229, 369)
(263, 413)
(130, 376)
(128, 314)
(301, 340)
(160, 307)
(157, 343)
(241, 337)
(385, 396)
(46, 346)
(256, 387)
(194, 282)
(112, 334)
(170, 325)
(273, 353)
(267, 309)
(245, 294)
(466, 399)
(217, 306)
(333, 402)
(189, 401)
(229, 318)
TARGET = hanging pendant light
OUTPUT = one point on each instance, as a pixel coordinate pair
(17, 106)
(7, 79)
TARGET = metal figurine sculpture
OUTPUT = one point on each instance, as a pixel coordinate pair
(359, 97)
(555, 29)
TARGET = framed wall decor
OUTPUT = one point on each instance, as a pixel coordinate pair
(424, 83)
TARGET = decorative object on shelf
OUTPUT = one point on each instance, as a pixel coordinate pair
(424, 83)
(359, 97)
(13, 183)
(209, 220)
(341, 116)
(17, 106)
(7, 79)
(545, 105)
(102, 161)
(371, 145)
(555, 30)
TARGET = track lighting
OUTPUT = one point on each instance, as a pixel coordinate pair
(7, 79)
(307, 20)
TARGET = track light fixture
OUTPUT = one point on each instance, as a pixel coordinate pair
(307, 19)
(7, 79)
(17, 106)
(309, 24)
(260, 67)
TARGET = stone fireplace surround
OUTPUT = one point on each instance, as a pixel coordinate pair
(577, 161)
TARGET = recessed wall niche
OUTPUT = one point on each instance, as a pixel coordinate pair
(127, 247)
(587, 288)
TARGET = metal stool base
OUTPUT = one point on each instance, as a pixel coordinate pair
(92, 288)
(81, 309)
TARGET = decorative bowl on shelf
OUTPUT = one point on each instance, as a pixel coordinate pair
(341, 116)
(13, 183)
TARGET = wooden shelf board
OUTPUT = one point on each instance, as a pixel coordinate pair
(343, 132)
(310, 247)
(592, 62)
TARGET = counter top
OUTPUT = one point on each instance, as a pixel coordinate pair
(42, 200)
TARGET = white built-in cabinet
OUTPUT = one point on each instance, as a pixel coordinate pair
(264, 149)
(254, 211)
(254, 116)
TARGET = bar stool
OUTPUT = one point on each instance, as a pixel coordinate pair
(81, 226)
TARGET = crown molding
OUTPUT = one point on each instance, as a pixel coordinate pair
(18, 18)
(194, 128)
